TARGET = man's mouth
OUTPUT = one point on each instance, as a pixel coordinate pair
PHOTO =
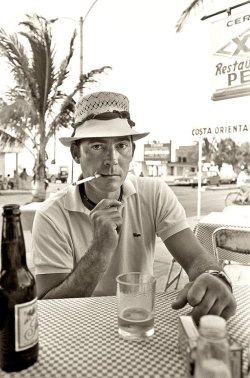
(109, 174)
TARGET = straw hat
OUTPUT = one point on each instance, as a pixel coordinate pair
(98, 103)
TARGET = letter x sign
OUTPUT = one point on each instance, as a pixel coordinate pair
(240, 43)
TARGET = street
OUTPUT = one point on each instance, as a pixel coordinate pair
(23, 198)
(212, 198)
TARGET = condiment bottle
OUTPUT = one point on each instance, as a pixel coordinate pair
(18, 301)
(213, 354)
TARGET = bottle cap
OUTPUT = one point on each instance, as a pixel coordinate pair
(213, 324)
(11, 209)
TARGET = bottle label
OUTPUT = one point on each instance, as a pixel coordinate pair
(26, 325)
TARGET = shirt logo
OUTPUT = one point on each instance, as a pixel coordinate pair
(136, 235)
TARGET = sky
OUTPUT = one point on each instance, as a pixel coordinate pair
(165, 74)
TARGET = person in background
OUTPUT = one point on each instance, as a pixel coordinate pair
(23, 177)
(243, 183)
(10, 184)
(85, 235)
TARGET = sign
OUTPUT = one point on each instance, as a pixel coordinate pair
(227, 130)
(230, 44)
(157, 151)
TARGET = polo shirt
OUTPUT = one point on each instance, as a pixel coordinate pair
(62, 231)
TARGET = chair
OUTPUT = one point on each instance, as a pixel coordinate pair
(232, 244)
(175, 278)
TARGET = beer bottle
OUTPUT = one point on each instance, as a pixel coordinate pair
(18, 307)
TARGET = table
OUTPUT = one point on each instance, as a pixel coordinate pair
(79, 338)
(206, 226)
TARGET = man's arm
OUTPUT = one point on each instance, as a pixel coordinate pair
(190, 254)
(81, 282)
(106, 221)
(206, 293)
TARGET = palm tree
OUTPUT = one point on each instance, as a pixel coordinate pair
(36, 106)
(209, 149)
(186, 13)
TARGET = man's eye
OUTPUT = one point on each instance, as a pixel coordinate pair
(122, 146)
(96, 147)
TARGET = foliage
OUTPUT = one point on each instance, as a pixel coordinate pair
(36, 106)
(227, 151)
(209, 149)
(186, 13)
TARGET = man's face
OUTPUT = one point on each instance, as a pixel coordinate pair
(110, 157)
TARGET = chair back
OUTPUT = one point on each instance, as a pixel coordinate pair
(232, 243)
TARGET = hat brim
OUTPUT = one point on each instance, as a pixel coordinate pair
(95, 128)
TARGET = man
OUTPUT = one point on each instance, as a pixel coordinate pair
(85, 235)
(243, 183)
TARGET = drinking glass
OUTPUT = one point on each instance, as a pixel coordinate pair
(136, 305)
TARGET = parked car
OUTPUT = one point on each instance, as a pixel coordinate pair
(183, 180)
(229, 178)
(207, 178)
(58, 174)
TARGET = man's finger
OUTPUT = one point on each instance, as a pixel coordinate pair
(228, 312)
(181, 299)
(205, 307)
(196, 292)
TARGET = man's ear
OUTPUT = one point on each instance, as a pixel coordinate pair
(74, 149)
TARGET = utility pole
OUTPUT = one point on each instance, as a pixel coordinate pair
(81, 50)
(81, 22)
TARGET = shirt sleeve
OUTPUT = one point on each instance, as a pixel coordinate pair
(170, 214)
(52, 252)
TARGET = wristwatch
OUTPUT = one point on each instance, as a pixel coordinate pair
(222, 275)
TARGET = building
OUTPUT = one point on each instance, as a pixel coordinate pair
(157, 155)
(160, 163)
(6, 151)
(186, 161)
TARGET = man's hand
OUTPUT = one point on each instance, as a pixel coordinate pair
(106, 223)
(207, 295)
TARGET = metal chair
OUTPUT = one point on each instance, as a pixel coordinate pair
(232, 244)
(176, 278)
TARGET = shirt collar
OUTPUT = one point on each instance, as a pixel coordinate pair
(73, 202)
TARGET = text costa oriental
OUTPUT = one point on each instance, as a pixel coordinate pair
(221, 130)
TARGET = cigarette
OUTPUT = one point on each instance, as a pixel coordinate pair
(96, 175)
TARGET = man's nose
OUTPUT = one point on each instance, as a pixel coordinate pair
(111, 157)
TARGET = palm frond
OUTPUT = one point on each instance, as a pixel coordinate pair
(18, 60)
(39, 37)
(63, 71)
(7, 139)
(20, 119)
(186, 14)
(61, 75)
(90, 77)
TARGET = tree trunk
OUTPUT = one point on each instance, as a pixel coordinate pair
(38, 191)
